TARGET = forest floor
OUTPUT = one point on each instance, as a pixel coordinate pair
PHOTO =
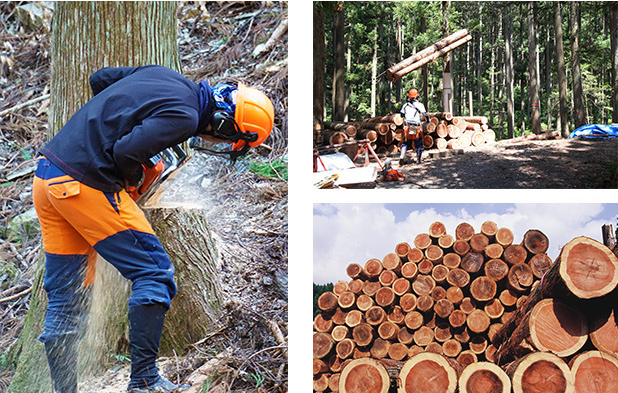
(553, 164)
(247, 212)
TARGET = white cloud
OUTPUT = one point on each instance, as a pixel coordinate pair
(347, 233)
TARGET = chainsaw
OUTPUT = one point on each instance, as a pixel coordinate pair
(158, 168)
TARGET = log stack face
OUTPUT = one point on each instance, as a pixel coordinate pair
(471, 302)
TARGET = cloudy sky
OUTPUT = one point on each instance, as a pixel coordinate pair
(347, 233)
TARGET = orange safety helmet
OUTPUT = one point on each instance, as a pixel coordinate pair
(254, 114)
(413, 93)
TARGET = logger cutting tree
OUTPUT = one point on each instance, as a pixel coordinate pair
(493, 76)
(127, 133)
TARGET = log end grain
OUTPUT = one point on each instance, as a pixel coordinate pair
(484, 377)
(541, 372)
(427, 372)
(595, 371)
(364, 376)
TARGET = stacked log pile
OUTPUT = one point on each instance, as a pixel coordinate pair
(386, 133)
(474, 312)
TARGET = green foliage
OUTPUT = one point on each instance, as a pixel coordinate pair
(275, 169)
(258, 378)
(476, 66)
(120, 358)
(319, 289)
(206, 385)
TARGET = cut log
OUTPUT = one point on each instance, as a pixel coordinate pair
(364, 302)
(320, 383)
(595, 372)
(364, 376)
(540, 263)
(478, 321)
(414, 320)
(467, 305)
(362, 334)
(515, 254)
(584, 269)
(390, 118)
(354, 318)
(493, 251)
(405, 336)
(322, 324)
(484, 377)
(323, 344)
(356, 286)
(440, 143)
(423, 336)
(401, 286)
(346, 300)
(451, 260)
(423, 285)
(457, 318)
(476, 119)
(535, 241)
(384, 297)
(504, 237)
(395, 315)
(451, 348)
(402, 250)
(604, 330)
(408, 302)
(428, 373)
(398, 351)
(340, 332)
(392, 262)
(520, 277)
(424, 303)
(467, 357)
(458, 277)
(434, 347)
(439, 274)
(464, 140)
(508, 297)
(434, 254)
(425, 267)
(375, 316)
(462, 335)
(373, 268)
(464, 231)
(345, 348)
(443, 308)
(446, 242)
(461, 247)
(388, 330)
(379, 348)
(443, 332)
(496, 269)
(355, 271)
(483, 288)
(472, 262)
(428, 141)
(478, 242)
(387, 278)
(454, 294)
(489, 229)
(333, 382)
(340, 287)
(328, 301)
(319, 366)
(551, 326)
(422, 241)
(409, 270)
(339, 317)
(478, 344)
(541, 372)
(415, 255)
(370, 135)
(437, 230)
(494, 309)
(438, 293)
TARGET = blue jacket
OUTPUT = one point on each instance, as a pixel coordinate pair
(135, 113)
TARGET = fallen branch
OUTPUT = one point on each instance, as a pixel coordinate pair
(24, 104)
(277, 34)
(201, 375)
(16, 296)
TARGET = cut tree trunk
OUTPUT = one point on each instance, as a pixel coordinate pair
(540, 372)
(429, 373)
(364, 376)
(484, 377)
(595, 372)
(551, 326)
(585, 269)
(535, 241)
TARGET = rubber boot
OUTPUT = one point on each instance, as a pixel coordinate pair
(419, 156)
(145, 328)
(62, 359)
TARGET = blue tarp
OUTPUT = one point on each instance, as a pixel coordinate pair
(595, 131)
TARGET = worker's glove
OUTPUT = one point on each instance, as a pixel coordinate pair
(132, 179)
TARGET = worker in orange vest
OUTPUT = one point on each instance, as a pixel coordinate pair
(413, 136)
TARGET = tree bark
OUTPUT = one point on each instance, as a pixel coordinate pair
(339, 63)
(535, 101)
(579, 115)
(562, 82)
(510, 97)
(87, 36)
(319, 67)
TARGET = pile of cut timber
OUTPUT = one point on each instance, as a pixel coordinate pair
(386, 133)
(474, 312)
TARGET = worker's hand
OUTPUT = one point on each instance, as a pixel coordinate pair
(133, 180)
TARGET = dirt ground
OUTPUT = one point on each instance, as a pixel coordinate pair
(554, 164)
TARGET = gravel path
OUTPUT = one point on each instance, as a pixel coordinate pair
(559, 164)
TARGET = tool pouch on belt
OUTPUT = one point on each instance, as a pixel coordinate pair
(413, 131)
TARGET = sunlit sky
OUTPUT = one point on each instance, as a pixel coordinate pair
(347, 233)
